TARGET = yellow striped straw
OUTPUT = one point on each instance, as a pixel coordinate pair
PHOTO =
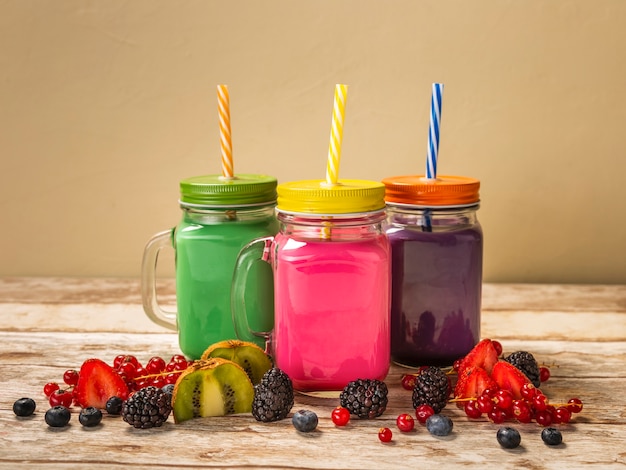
(336, 134)
(223, 108)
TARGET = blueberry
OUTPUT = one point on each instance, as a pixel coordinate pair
(551, 436)
(57, 416)
(169, 388)
(439, 425)
(24, 407)
(304, 420)
(509, 438)
(90, 417)
(114, 405)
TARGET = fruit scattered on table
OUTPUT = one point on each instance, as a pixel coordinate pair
(114, 405)
(248, 355)
(212, 387)
(24, 407)
(405, 422)
(423, 412)
(273, 396)
(97, 382)
(365, 398)
(385, 434)
(304, 420)
(147, 408)
(340, 416)
(57, 416)
(551, 436)
(431, 387)
(439, 425)
(90, 417)
(508, 437)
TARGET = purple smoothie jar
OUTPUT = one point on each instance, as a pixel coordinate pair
(436, 261)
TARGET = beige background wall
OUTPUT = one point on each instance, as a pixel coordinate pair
(105, 105)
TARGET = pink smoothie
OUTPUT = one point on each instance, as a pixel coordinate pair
(332, 310)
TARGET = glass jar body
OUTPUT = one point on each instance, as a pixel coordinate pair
(332, 299)
(436, 283)
(207, 242)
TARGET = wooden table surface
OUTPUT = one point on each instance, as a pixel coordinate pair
(53, 324)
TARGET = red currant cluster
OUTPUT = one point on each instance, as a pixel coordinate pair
(156, 372)
(500, 406)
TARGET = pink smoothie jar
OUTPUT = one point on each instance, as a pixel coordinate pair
(331, 265)
(437, 254)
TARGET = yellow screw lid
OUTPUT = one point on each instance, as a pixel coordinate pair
(417, 190)
(321, 198)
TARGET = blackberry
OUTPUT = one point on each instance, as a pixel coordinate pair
(526, 363)
(147, 408)
(273, 396)
(365, 398)
(431, 388)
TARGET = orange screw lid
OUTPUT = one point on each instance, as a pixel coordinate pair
(445, 191)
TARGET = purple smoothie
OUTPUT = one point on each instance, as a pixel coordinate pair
(436, 294)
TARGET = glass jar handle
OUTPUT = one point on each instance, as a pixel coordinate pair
(258, 249)
(148, 281)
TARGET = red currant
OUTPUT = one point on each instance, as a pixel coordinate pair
(408, 381)
(528, 391)
(484, 403)
(497, 416)
(128, 369)
(456, 364)
(544, 374)
(50, 388)
(70, 377)
(543, 418)
(340, 416)
(575, 405)
(178, 358)
(171, 378)
(62, 398)
(504, 399)
(423, 412)
(490, 392)
(497, 345)
(521, 411)
(405, 422)
(562, 415)
(540, 402)
(471, 409)
(385, 434)
(155, 365)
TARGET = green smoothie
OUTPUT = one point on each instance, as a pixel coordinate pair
(207, 244)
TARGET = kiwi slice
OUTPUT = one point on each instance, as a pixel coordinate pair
(248, 355)
(211, 387)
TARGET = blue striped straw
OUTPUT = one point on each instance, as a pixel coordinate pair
(433, 132)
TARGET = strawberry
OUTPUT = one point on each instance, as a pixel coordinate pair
(97, 382)
(483, 355)
(472, 381)
(509, 377)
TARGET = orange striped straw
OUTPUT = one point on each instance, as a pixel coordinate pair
(223, 108)
(336, 134)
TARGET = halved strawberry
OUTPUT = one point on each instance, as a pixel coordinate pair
(472, 381)
(97, 382)
(483, 355)
(509, 377)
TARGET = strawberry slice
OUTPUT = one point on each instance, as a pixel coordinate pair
(472, 381)
(97, 382)
(509, 377)
(483, 355)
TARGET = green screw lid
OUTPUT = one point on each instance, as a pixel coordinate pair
(216, 190)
